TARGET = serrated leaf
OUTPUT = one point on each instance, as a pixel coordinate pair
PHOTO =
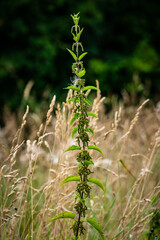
(76, 115)
(73, 147)
(80, 73)
(88, 102)
(74, 131)
(73, 54)
(64, 214)
(92, 114)
(97, 182)
(73, 88)
(89, 130)
(70, 179)
(89, 87)
(82, 56)
(95, 148)
(88, 162)
(79, 34)
(95, 224)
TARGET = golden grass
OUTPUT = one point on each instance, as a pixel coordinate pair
(33, 167)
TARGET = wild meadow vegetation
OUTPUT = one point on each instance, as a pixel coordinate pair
(79, 173)
(121, 38)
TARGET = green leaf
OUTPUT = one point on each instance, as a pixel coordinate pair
(88, 162)
(92, 114)
(71, 100)
(74, 37)
(79, 34)
(79, 165)
(75, 18)
(89, 130)
(73, 147)
(80, 73)
(88, 102)
(64, 214)
(74, 131)
(73, 88)
(70, 179)
(72, 238)
(82, 56)
(95, 148)
(76, 115)
(97, 182)
(89, 87)
(95, 224)
(73, 54)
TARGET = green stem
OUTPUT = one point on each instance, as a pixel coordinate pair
(81, 126)
(79, 217)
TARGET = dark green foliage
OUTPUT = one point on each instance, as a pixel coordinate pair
(122, 38)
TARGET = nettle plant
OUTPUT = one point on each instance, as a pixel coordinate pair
(84, 159)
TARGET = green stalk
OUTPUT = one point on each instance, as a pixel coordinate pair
(83, 157)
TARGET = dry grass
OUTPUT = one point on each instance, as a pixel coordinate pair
(31, 170)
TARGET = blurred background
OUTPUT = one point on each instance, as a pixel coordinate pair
(122, 39)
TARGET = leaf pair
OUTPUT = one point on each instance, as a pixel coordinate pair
(75, 18)
(77, 115)
(74, 55)
(83, 89)
(75, 129)
(74, 147)
(77, 178)
(73, 99)
(95, 224)
(81, 73)
(76, 38)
